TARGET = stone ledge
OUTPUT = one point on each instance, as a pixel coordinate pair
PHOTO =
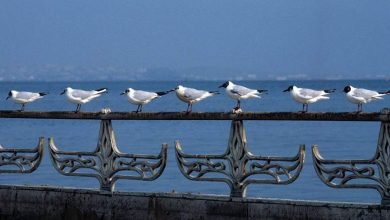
(46, 202)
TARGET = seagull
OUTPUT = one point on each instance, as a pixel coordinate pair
(191, 96)
(238, 92)
(79, 96)
(24, 97)
(361, 96)
(140, 98)
(307, 96)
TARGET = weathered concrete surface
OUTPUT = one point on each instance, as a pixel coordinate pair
(23, 202)
(293, 116)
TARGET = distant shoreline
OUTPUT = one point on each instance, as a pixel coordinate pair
(180, 80)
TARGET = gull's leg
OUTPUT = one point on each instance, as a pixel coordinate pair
(305, 108)
(140, 110)
(136, 111)
(78, 108)
(189, 109)
(360, 107)
(22, 109)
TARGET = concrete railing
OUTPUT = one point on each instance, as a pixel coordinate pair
(292, 116)
(237, 167)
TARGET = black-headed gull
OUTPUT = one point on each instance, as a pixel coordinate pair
(238, 92)
(308, 96)
(78, 96)
(140, 98)
(191, 96)
(361, 96)
(23, 98)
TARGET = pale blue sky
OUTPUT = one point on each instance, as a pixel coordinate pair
(349, 38)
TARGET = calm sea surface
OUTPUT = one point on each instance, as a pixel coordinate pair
(336, 140)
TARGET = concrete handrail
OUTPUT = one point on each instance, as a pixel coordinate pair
(293, 116)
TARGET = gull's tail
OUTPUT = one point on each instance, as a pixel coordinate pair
(43, 93)
(164, 92)
(102, 90)
(329, 90)
(214, 92)
(262, 91)
(386, 93)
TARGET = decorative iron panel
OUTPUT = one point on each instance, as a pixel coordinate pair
(373, 173)
(237, 165)
(107, 163)
(13, 160)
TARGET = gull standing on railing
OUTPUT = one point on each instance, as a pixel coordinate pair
(24, 97)
(238, 92)
(361, 96)
(78, 96)
(140, 98)
(307, 96)
(191, 96)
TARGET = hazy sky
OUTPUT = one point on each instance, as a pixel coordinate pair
(267, 37)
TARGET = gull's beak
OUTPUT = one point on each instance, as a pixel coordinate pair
(286, 90)
(62, 92)
(7, 97)
(220, 86)
(122, 93)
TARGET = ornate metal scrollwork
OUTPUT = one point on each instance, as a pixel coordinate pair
(350, 173)
(107, 161)
(14, 160)
(237, 164)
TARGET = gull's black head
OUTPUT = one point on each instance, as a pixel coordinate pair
(288, 89)
(9, 95)
(347, 89)
(125, 92)
(225, 84)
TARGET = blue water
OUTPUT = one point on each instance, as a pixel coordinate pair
(336, 140)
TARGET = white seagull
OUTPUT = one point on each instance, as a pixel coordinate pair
(140, 98)
(78, 96)
(191, 96)
(307, 96)
(24, 97)
(238, 92)
(361, 96)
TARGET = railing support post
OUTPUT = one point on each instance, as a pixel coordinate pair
(383, 158)
(237, 146)
(107, 147)
(238, 192)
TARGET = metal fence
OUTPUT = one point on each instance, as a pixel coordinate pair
(237, 167)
